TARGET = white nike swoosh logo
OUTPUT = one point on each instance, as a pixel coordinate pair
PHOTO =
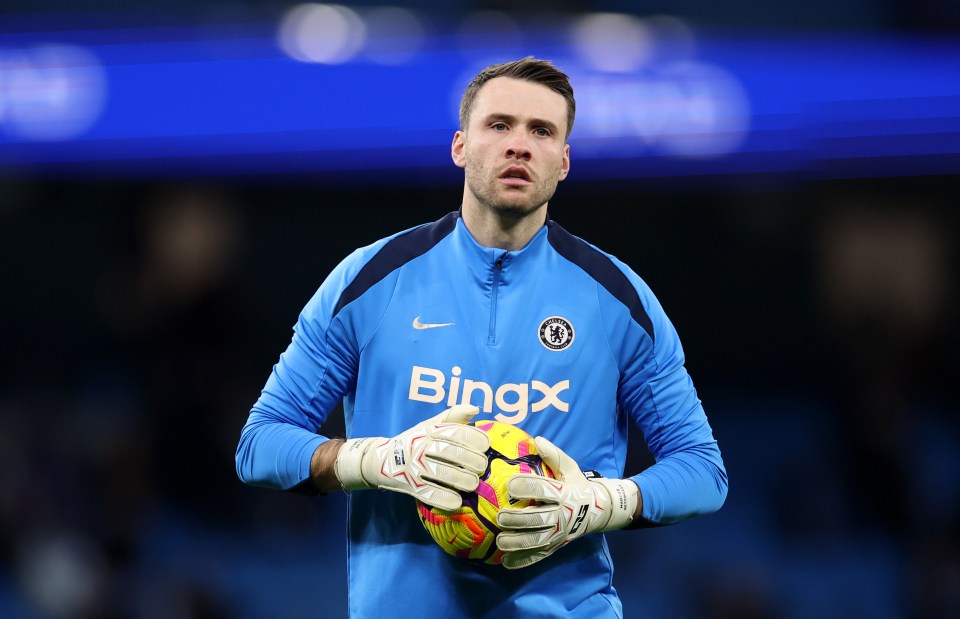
(429, 325)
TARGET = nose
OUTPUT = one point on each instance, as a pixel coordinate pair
(518, 148)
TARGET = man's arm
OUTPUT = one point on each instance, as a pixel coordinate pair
(318, 368)
(688, 478)
(279, 439)
(279, 446)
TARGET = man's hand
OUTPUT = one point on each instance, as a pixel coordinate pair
(570, 506)
(432, 461)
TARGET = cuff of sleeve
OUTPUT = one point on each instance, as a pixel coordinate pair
(652, 510)
(296, 468)
(299, 461)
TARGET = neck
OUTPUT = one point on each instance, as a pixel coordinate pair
(509, 230)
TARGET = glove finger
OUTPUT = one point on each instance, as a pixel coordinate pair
(534, 487)
(528, 540)
(469, 437)
(457, 455)
(529, 518)
(438, 497)
(517, 560)
(461, 413)
(559, 462)
(451, 477)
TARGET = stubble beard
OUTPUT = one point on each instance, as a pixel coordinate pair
(515, 204)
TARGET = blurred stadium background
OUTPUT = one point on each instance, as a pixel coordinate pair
(176, 178)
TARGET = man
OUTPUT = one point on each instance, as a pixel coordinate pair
(491, 312)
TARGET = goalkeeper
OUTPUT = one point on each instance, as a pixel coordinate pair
(492, 312)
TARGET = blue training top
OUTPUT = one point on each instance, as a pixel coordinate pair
(559, 338)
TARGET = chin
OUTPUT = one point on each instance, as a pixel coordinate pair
(519, 205)
(515, 209)
(508, 203)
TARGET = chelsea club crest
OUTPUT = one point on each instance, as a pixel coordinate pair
(556, 333)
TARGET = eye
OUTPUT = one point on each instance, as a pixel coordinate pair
(542, 132)
(499, 126)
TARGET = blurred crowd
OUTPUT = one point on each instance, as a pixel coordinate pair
(125, 405)
(140, 323)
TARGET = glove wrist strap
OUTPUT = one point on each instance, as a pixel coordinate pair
(349, 464)
(624, 497)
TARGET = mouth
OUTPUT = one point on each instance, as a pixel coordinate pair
(515, 176)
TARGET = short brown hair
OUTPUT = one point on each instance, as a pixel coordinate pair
(529, 69)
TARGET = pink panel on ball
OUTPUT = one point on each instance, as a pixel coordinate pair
(487, 492)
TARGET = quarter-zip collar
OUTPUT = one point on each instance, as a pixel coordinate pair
(493, 270)
(484, 258)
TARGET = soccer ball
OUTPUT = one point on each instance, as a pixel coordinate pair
(470, 532)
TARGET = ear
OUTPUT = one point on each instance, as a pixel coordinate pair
(565, 163)
(456, 150)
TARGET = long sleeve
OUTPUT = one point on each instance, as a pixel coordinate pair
(322, 363)
(688, 478)
(318, 368)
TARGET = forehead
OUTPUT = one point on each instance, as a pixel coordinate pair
(521, 99)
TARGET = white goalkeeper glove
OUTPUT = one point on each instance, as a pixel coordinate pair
(432, 461)
(570, 506)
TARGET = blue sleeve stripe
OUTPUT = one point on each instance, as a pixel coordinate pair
(599, 266)
(394, 254)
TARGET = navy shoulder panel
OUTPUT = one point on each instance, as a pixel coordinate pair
(394, 254)
(599, 266)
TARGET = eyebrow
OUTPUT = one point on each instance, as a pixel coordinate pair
(536, 122)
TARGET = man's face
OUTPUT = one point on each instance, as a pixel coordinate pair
(514, 149)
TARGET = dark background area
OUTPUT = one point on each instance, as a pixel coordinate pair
(818, 322)
(142, 314)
